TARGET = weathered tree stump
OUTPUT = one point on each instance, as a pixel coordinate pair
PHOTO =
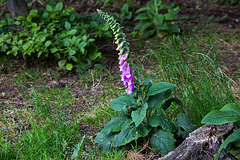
(17, 7)
(202, 144)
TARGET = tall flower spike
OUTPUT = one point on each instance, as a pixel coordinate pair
(123, 47)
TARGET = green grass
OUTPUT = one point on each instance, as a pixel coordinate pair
(48, 125)
(190, 63)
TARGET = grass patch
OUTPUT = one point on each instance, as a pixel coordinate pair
(190, 62)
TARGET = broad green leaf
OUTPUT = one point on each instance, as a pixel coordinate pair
(164, 26)
(176, 10)
(125, 8)
(162, 142)
(148, 80)
(148, 33)
(159, 2)
(57, 55)
(33, 13)
(74, 58)
(61, 63)
(143, 16)
(72, 32)
(15, 50)
(145, 26)
(130, 133)
(168, 102)
(160, 87)
(157, 100)
(158, 19)
(48, 43)
(17, 23)
(221, 117)
(72, 17)
(166, 124)
(139, 25)
(117, 124)
(82, 45)
(121, 102)
(173, 28)
(143, 9)
(42, 39)
(59, 6)
(84, 38)
(72, 52)
(39, 53)
(21, 18)
(69, 9)
(53, 50)
(69, 66)
(93, 54)
(170, 16)
(234, 137)
(235, 107)
(184, 125)
(78, 149)
(45, 15)
(67, 25)
(48, 8)
(152, 6)
(105, 141)
(139, 114)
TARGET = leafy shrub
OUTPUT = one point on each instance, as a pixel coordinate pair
(54, 31)
(126, 13)
(143, 110)
(152, 22)
(229, 113)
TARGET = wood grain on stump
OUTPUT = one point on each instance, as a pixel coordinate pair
(203, 144)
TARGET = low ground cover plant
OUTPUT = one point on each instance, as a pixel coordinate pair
(152, 22)
(143, 109)
(56, 31)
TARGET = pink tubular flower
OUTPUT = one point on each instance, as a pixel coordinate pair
(120, 53)
(122, 58)
(130, 88)
(127, 76)
(127, 72)
(125, 57)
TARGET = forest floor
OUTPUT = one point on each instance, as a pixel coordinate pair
(17, 78)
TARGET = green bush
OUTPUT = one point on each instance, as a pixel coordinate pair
(57, 31)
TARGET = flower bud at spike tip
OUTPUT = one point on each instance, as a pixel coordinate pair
(117, 42)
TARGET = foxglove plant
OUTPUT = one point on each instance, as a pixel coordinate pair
(143, 109)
